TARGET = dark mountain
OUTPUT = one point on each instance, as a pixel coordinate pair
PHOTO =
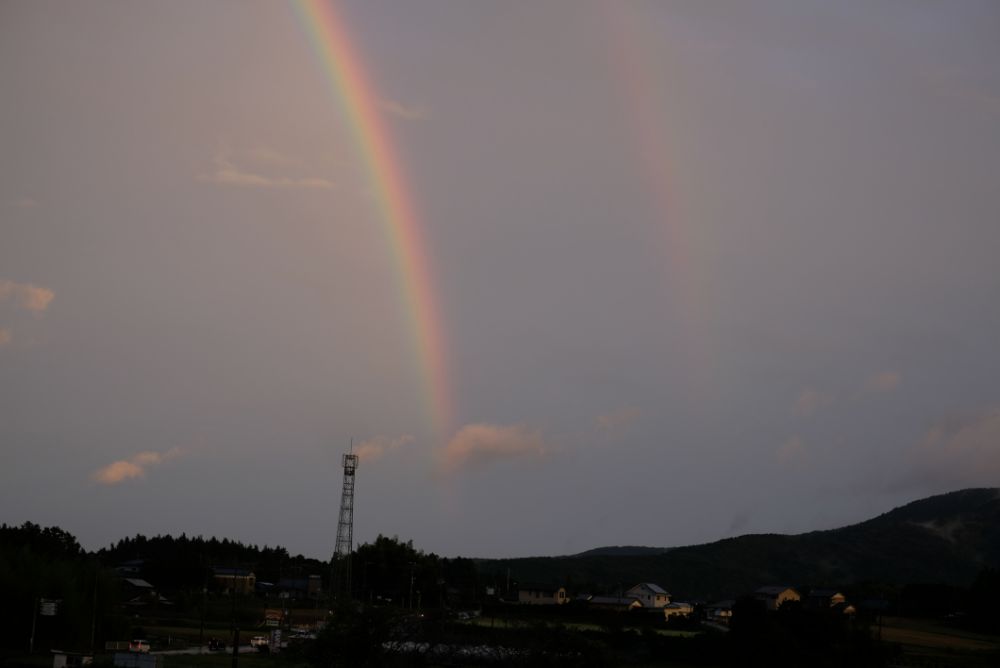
(622, 551)
(946, 539)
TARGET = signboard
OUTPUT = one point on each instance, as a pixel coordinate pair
(48, 607)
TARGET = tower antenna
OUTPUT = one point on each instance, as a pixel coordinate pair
(340, 586)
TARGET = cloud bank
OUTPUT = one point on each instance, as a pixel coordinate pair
(375, 448)
(30, 297)
(226, 172)
(477, 445)
(134, 467)
(956, 452)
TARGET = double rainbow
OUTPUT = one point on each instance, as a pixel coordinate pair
(359, 102)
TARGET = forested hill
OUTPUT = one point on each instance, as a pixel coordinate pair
(622, 551)
(183, 562)
(946, 539)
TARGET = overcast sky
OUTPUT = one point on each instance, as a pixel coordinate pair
(704, 269)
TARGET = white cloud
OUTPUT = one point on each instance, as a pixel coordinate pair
(134, 467)
(26, 295)
(406, 112)
(227, 172)
(375, 448)
(477, 445)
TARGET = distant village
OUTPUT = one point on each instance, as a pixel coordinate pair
(646, 598)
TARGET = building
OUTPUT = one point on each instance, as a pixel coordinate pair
(720, 612)
(677, 609)
(541, 594)
(774, 596)
(237, 580)
(649, 594)
(308, 587)
(821, 599)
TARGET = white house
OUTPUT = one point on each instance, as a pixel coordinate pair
(650, 595)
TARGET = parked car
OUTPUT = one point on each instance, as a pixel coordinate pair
(216, 645)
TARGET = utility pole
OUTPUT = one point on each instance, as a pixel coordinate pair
(34, 620)
(93, 613)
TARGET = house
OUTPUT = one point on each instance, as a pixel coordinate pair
(720, 612)
(614, 603)
(677, 609)
(541, 594)
(138, 592)
(774, 596)
(309, 587)
(821, 599)
(239, 580)
(649, 594)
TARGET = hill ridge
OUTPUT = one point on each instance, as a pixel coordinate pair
(947, 538)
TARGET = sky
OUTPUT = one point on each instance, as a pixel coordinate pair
(563, 274)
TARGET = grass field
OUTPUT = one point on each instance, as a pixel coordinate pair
(931, 642)
(501, 622)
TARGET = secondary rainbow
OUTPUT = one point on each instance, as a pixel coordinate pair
(359, 102)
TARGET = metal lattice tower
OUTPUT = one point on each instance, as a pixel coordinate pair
(341, 581)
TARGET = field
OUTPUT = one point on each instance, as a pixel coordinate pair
(503, 622)
(929, 642)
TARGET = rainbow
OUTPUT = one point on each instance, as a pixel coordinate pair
(359, 102)
(639, 76)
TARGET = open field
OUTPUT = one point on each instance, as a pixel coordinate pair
(506, 623)
(931, 642)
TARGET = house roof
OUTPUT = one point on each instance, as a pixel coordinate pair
(655, 588)
(233, 572)
(138, 582)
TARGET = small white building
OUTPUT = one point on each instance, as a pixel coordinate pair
(650, 595)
